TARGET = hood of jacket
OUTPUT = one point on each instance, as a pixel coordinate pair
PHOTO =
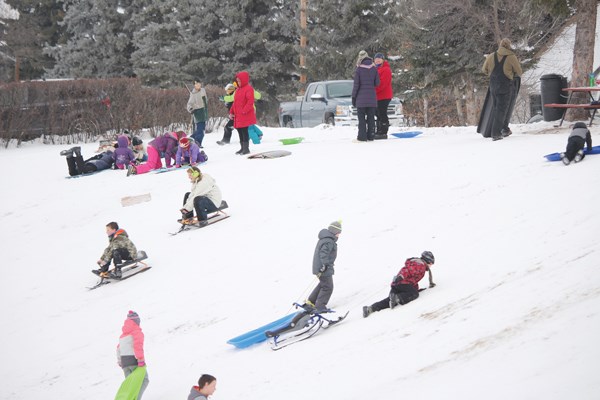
(503, 51)
(244, 78)
(129, 326)
(123, 141)
(326, 234)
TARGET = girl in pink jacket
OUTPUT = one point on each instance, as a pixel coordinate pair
(130, 350)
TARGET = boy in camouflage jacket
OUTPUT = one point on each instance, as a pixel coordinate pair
(120, 248)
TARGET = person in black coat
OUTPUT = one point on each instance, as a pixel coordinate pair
(77, 166)
(364, 97)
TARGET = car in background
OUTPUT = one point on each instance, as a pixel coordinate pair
(329, 102)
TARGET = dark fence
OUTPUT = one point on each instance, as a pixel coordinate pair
(67, 111)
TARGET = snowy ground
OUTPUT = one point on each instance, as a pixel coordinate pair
(515, 314)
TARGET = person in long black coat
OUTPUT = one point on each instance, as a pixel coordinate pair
(364, 97)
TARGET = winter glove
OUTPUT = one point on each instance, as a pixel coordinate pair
(354, 102)
(141, 363)
(323, 269)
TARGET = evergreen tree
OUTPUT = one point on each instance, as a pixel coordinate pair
(24, 38)
(98, 43)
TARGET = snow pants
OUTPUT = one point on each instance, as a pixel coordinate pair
(129, 370)
(406, 294)
(322, 292)
(203, 206)
(154, 162)
(118, 256)
(574, 144)
(366, 123)
(383, 122)
(198, 134)
(227, 131)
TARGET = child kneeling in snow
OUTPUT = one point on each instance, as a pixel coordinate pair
(405, 286)
(189, 153)
(579, 136)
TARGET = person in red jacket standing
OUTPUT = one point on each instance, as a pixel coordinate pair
(242, 111)
(405, 286)
(384, 95)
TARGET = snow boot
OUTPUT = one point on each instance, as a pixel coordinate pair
(579, 156)
(131, 170)
(73, 171)
(77, 151)
(80, 163)
(564, 159)
(367, 310)
(506, 132)
(68, 153)
(394, 300)
(494, 138)
(245, 148)
(116, 274)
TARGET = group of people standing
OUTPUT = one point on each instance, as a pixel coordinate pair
(371, 95)
(239, 100)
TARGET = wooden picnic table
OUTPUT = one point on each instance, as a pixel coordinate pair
(588, 106)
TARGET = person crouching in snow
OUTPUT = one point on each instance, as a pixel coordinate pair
(162, 146)
(130, 350)
(123, 155)
(579, 136)
(205, 197)
(120, 248)
(405, 286)
(207, 384)
(323, 261)
(189, 153)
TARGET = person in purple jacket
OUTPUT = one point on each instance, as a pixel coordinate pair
(189, 153)
(163, 146)
(364, 97)
(123, 155)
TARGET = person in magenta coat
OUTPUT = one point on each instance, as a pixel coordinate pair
(384, 95)
(162, 146)
(130, 350)
(242, 111)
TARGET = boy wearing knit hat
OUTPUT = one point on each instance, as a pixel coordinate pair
(323, 261)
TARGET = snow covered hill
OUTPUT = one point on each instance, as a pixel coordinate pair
(515, 314)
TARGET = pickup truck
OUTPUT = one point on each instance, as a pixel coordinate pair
(329, 102)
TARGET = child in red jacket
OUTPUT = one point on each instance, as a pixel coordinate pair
(405, 286)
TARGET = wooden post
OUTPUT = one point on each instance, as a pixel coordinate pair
(303, 7)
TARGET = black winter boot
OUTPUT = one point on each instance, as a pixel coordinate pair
(245, 147)
(73, 171)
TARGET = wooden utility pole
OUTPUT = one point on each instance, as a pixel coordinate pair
(17, 67)
(303, 7)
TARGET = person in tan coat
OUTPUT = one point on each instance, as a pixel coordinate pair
(502, 66)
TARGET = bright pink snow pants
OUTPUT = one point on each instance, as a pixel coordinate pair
(154, 162)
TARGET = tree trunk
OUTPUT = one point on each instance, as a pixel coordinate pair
(583, 55)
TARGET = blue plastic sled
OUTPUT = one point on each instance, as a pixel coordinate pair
(556, 156)
(258, 335)
(407, 135)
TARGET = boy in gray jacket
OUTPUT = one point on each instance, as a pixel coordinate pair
(323, 261)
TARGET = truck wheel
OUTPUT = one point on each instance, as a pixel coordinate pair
(330, 120)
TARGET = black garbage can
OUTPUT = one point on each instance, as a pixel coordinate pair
(551, 87)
